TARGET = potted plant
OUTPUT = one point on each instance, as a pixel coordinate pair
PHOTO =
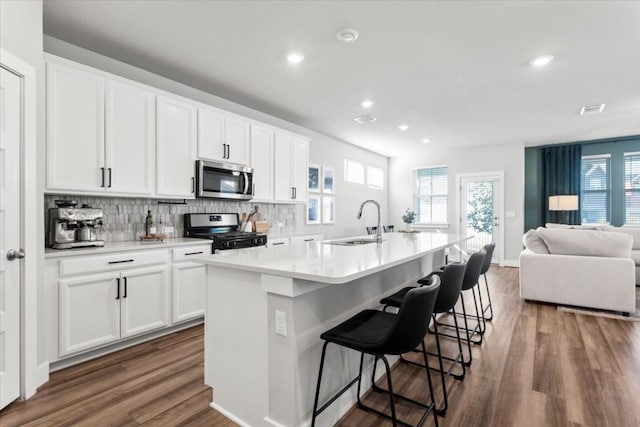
(409, 218)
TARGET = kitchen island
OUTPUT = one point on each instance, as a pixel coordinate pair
(266, 309)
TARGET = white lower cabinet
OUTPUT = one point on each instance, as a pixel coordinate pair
(144, 304)
(189, 281)
(89, 312)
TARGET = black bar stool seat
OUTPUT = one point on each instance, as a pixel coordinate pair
(366, 331)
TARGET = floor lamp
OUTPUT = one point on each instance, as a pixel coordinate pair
(565, 204)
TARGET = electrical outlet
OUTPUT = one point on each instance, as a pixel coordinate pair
(169, 229)
(281, 323)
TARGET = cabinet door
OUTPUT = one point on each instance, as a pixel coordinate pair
(236, 135)
(130, 139)
(189, 281)
(144, 304)
(282, 167)
(211, 135)
(89, 312)
(300, 169)
(75, 129)
(176, 148)
(262, 162)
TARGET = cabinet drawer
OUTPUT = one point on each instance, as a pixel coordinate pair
(278, 241)
(182, 254)
(115, 261)
(307, 238)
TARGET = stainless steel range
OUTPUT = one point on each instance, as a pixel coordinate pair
(223, 230)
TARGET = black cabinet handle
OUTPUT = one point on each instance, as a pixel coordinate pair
(295, 193)
(228, 151)
(109, 177)
(118, 287)
(308, 240)
(193, 253)
(102, 175)
(125, 287)
(120, 262)
(193, 184)
(277, 244)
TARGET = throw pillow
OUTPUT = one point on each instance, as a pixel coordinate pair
(534, 242)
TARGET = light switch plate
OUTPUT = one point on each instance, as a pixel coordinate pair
(281, 323)
(169, 229)
(510, 214)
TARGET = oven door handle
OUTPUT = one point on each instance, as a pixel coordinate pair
(246, 183)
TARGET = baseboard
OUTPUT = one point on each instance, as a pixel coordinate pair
(229, 415)
(42, 373)
(510, 263)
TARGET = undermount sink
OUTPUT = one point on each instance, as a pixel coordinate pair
(355, 242)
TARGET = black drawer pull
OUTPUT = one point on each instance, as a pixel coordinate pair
(125, 287)
(120, 262)
(308, 240)
(194, 253)
(277, 243)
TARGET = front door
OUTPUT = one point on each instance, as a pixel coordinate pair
(10, 230)
(480, 213)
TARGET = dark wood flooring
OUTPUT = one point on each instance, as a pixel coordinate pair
(537, 367)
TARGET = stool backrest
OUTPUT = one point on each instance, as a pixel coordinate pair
(372, 230)
(474, 267)
(387, 228)
(413, 319)
(450, 286)
(489, 248)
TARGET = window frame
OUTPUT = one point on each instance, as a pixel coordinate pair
(345, 169)
(418, 197)
(372, 186)
(626, 190)
(607, 191)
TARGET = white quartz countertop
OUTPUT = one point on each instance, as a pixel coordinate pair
(132, 245)
(327, 263)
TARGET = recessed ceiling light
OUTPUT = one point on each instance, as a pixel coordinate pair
(348, 35)
(365, 119)
(403, 127)
(541, 61)
(295, 58)
(591, 109)
(366, 103)
(425, 141)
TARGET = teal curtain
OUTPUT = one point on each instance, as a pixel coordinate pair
(561, 174)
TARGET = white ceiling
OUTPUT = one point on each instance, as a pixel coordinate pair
(457, 72)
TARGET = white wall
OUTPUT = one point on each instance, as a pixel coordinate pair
(506, 157)
(324, 150)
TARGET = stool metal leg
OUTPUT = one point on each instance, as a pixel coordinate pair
(441, 411)
(315, 401)
(433, 399)
(490, 305)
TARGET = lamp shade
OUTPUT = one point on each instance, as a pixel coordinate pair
(563, 203)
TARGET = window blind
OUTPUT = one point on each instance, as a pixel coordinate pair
(432, 187)
(632, 189)
(595, 190)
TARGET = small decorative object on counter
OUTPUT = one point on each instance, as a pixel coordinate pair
(153, 238)
(408, 218)
(147, 224)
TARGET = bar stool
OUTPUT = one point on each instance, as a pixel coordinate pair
(372, 230)
(489, 248)
(471, 278)
(380, 333)
(451, 279)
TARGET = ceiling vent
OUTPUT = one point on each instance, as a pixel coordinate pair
(591, 109)
(365, 119)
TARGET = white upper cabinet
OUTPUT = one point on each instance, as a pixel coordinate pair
(176, 148)
(291, 164)
(75, 129)
(262, 162)
(222, 137)
(130, 139)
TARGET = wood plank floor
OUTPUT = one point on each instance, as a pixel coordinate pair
(537, 367)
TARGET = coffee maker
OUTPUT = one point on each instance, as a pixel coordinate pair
(71, 227)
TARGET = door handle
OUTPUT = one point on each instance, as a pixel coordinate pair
(125, 287)
(109, 177)
(102, 176)
(120, 262)
(193, 253)
(193, 184)
(13, 255)
(295, 193)
(118, 287)
(228, 151)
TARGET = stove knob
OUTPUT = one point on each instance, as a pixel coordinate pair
(256, 241)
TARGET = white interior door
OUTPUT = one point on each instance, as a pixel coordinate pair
(10, 229)
(480, 212)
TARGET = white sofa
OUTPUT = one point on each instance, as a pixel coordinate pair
(585, 268)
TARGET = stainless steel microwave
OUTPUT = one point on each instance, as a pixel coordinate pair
(224, 180)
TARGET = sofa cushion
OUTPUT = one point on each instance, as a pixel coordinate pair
(587, 243)
(632, 231)
(556, 226)
(635, 256)
(534, 242)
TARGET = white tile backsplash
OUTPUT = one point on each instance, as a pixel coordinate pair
(124, 217)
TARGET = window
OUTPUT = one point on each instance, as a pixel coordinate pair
(432, 186)
(595, 189)
(632, 188)
(375, 177)
(353, 171)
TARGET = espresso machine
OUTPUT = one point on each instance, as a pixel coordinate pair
(72, 227)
